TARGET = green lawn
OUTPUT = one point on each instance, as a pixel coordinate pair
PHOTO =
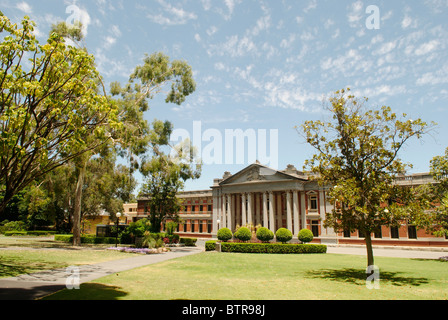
(22, 255)
(233, 276)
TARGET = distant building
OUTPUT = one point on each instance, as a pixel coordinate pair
(259, 195)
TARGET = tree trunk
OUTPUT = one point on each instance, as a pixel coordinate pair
(77, 206)
(368, 239)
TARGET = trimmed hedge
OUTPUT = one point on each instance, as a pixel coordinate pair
(29, 233)
(188, 242)
(68, 238)
(210, 245)
(267, 247)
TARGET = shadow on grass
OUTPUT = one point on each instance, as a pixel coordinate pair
(89, 291)
(12, 268)
(358, 277)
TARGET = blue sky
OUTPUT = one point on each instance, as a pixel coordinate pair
(267, 65)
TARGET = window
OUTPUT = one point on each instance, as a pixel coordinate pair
(378, 233)
(315, 227)
(200, 226)
(209, 208)
(394, 233)
(313, 202)
(361, 234)
(412, 232)
(192, 226)
(185, 226)
(209, 226)
(347, 233)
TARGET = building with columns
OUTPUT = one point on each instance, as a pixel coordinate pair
(259, 195)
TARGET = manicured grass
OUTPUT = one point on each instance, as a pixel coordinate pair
(236, 276)
(32, 254)
(17, 262)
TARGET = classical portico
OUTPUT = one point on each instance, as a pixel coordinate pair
(258, 195)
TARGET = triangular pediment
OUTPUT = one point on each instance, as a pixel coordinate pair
(257, 173)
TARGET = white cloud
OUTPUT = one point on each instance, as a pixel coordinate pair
(212, 30)
(234, 46)
(427, 47)
(406, 22)
(386, 48)
(109, 42)
(25, 7)
(286, 43)
(175, 15)
(355, 13)
(206, 4)
(116, 31)
(311, 5)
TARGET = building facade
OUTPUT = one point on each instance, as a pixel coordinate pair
(261, 196)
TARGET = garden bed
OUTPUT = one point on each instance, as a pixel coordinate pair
(140, 250)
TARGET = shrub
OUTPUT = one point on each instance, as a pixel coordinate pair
(224, 234)
(12, 226)
(243, 234)
(68, 238)
(210, 245)
(153, 240)
(189, 242)
(283, 235)
(15, 233)
(305, 236)
(264, 234)
(170, 227)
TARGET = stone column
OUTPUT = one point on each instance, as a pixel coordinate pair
(224, 211)
(243, 209)
(229, 212)
(303, 210)
(278, 200)
(271, 212)
(265, 210)
(249, 208)
(215, 215)
(238, 208)
(288, 211)
(296, 213)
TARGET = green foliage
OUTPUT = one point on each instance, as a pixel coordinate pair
(134, 230)
(438, 204)
(210, 245)
(49, 104)
(15, 233)
(357, 153)
(12, 226)
(276, 248)
(188, 242)
(264, 234)
(85, 239)
(305, 236)
(224, 234)
(153, 240)
(170, 227)
(29, 233)
(283, 235)
(243, 234)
